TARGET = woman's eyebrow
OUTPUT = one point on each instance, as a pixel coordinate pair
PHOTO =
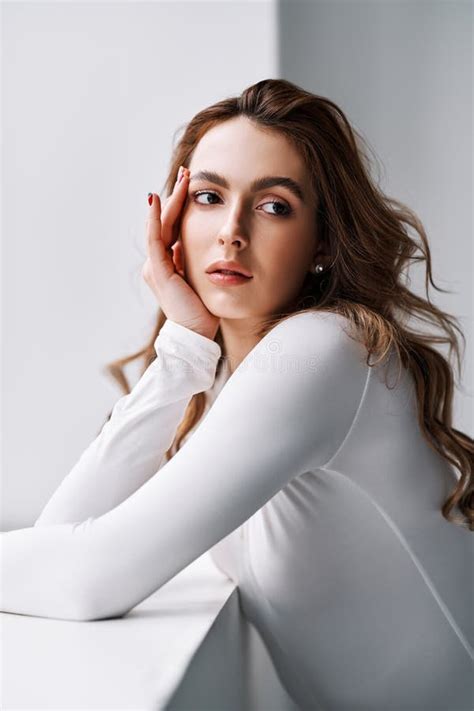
(268, 181)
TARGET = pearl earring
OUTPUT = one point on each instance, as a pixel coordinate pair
(317, 269)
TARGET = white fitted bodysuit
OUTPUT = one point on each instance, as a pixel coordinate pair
(313, 488)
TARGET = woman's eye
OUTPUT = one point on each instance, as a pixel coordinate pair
(283, 209)
(204, 192)
(286, 210)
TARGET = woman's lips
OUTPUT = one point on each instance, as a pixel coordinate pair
(228, 279)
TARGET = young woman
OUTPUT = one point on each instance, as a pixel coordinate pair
(319, 466)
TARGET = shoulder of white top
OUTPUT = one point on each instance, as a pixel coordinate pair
(311, 323)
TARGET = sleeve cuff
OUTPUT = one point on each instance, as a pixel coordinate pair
(200, 351)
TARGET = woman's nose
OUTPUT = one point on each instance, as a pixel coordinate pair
(232, 239)
(233, 230)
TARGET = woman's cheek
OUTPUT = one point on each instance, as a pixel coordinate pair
(195, 228)
(279, 260)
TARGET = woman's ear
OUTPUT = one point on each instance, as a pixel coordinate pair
(321, 255)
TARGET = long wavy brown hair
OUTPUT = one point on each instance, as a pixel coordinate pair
(367, 236)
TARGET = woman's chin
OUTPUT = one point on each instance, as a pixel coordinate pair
(218, 308)
(229, 313)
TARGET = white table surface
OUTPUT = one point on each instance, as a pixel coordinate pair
(187, 646)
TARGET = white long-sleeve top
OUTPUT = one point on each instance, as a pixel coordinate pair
(313, 488)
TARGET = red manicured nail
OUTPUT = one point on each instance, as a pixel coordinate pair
(150, 199)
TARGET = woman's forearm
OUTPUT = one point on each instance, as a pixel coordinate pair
(132, 443)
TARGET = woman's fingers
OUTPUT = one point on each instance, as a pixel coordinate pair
(162, 228)
(178, 257)
(172, 211)
(164, 269)
(161, 263)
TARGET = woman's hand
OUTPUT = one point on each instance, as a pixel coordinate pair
(165, 278)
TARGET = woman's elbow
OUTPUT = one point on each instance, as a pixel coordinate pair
(101, 601)
(92, 612)
(93, 606)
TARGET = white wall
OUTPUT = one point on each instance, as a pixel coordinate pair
(402, 73)
(92, 95)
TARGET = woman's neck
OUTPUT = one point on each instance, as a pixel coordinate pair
(238, 337)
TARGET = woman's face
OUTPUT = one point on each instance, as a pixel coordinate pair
(269, 231)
